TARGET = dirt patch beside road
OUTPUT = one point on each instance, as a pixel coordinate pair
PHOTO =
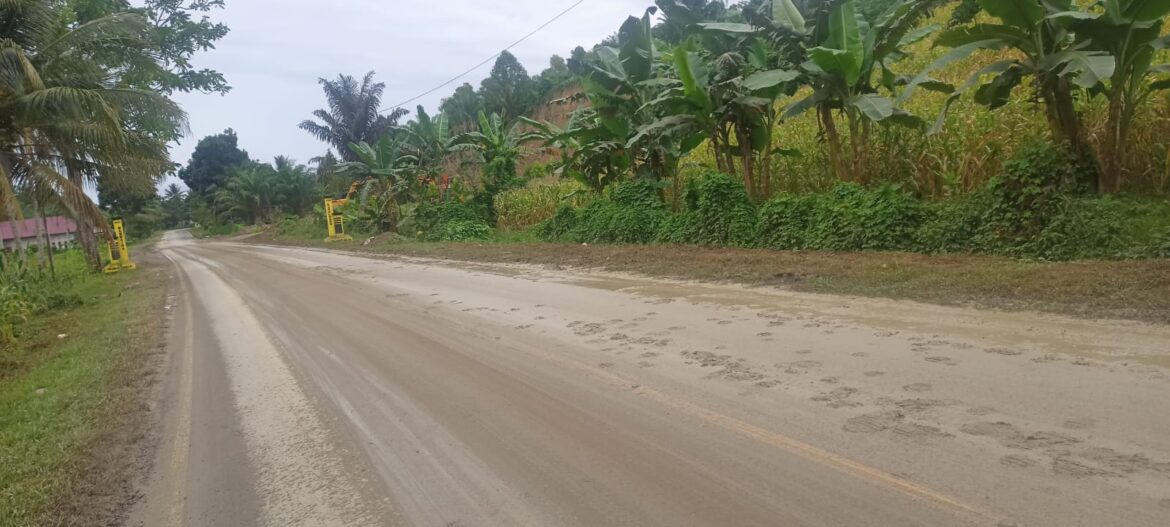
(1136, 290)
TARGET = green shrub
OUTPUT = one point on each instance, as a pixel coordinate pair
(1026, 196)
(558, 226)
(680, 228)
(630, 212)
(785, 222)
(302, 228)
(951, 226)
(463, 230)
(605, 221)
(725, 214)
(1161, 247)
(849, 218)
(431, 219)
(1080, 228)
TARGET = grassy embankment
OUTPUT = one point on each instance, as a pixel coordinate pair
(71, 389)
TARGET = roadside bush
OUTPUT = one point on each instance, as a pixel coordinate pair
(854, 218)
(431, 219)
(849, 218)
(951, 226)
(629, 212)
(303, 228)
(1034, 210)
(463, 230)
(1079, 229)
(785, 222)
(1029, 193)
(1161, 248)
(605, 221)
(682, 228)
(558, 226)
(723, 212)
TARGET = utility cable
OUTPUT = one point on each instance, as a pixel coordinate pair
(487, 60)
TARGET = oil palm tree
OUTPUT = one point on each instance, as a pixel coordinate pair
(297, 187)
(353, 115)
(250, 194)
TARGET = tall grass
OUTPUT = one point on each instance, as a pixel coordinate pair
(966, 153)
(28, 288)
(521, 208)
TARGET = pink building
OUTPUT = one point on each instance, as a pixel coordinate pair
(61, 232)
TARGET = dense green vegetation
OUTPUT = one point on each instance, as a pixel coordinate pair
(1016, 216)
(85, 101)
(71, 388)
(1025, 129)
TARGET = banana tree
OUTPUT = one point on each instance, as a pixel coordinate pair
(619, 87)
(590, 152)
(429, 141)
(1042, 32)
(1129, 32)
(496, 145)
(381, 174)
(726, 79)
(847, 58)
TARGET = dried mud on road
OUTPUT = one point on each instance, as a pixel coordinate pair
(507, 394)
(1133, 290)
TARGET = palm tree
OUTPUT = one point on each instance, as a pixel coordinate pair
(296, 186)
(65, 123)
(353, 115)
(251, 194)
(174, 203)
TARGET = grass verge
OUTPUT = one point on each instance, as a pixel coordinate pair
(1136, 290)
(70, 406)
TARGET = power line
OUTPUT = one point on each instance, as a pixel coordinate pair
(487, 60)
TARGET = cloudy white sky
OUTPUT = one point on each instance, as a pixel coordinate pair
(278, 48)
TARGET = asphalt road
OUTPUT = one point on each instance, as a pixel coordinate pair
(314, 388)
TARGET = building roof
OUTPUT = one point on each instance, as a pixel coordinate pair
(28, 228)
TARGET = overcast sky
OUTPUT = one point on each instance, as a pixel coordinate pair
(278, 48)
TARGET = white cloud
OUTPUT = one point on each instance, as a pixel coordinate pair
(277, 49)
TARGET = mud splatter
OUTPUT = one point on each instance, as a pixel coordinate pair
(1017, 461)
(838, 398)
(1083, 423)
(942, 360)
(873, 423)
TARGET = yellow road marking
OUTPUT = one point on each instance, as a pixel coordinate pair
(818, 455)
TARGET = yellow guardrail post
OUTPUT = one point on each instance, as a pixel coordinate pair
(117, 250)
(335, 220)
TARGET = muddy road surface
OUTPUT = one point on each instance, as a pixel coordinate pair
(308, 387)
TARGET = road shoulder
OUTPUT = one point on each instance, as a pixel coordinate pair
(75, 427)
(1124, 290)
